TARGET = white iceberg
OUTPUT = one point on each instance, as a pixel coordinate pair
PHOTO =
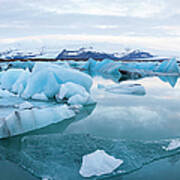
(98, 163)
(133, 89)
(23, 121)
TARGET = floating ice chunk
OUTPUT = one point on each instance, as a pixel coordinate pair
(9, 77)
(170, 66)
(98, 163)
(64, 75)
(25, 105)
(41, 81)
(134, 89)
(20, 84)
(81, 100)
(46, 78)
(23, 121)
(174, 144)
(75, 94)
(40, 96)
(70, 89)
(89, 65)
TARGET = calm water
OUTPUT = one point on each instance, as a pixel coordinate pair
(151, 117)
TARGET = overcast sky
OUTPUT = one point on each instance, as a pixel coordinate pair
(151, 24)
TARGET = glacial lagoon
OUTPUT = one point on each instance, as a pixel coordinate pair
(131, 127)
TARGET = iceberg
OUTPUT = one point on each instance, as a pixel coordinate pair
(170, 66)
(98, 163)
(63, 75)
(21, 82)
(8, 78)
(46, 79)
(41, 81)
(133, 89)
(75, 94)
(25, 120)
(130, 70)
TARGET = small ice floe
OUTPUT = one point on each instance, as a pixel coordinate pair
(98, 163)
(134, 89)
(174, 144)
(25, 105)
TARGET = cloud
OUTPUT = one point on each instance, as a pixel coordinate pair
(161, 43)
(136, 8)
(149, 22)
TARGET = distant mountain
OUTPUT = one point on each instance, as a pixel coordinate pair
(84, 54)
(81, 54)
(16, 54)
(136, 54)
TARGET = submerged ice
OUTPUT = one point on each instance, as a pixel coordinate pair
(63, 156)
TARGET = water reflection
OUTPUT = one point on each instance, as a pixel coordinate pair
(153, 116)
(172, 80)
(60, 155)
(12, 145)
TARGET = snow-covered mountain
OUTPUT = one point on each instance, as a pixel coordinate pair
(15, 54)
(84, 54)
(80, 54)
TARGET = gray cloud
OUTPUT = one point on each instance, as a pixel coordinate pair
(146, 19)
